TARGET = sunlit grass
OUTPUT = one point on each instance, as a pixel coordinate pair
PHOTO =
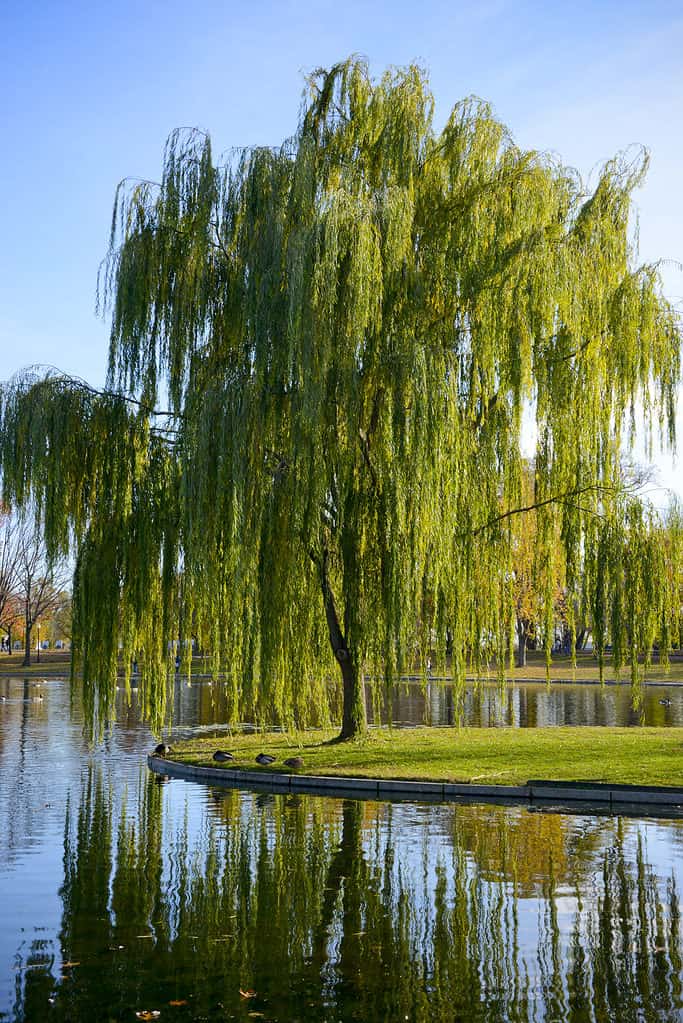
(57, 662)
(505, 756)
(561, 669)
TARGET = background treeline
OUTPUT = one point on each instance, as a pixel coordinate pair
(35, 600)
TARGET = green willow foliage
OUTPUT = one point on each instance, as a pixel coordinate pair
(347, 330)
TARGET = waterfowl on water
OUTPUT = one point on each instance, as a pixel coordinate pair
(665, 702)
(294, 762)
(265, 759)
(162, 750)
(222, 755)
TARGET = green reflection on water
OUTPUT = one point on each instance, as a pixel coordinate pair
(324, 910)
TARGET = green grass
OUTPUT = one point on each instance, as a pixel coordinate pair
(57, 662)
(561, 670)
(586, 669)
(52, 663)
(501, 756)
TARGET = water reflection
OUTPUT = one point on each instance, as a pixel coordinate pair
(528, 705)
(312, 909)
(120, 893)
(202, 706)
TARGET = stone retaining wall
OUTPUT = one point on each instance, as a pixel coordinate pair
(385, 788)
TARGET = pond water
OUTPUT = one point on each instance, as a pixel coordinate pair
(533, 705)
(120, 894)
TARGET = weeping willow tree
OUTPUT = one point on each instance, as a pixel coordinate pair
(308, 451)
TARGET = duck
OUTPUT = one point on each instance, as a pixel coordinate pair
(162, 750)
(222, 755)
(294, 762)
(264, 759)
(666, 702)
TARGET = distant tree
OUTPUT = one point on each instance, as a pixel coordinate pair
(9, 555)
(545, 599)
(62, 617)
(528, 573)
(635, 586)
(347, 328)
(672, 544)
(39, 583)
(528, 601)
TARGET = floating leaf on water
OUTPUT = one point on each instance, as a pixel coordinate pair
(256, 1015)
(70, 963)
(178, 1001)
(249, 993)
(148, 1014)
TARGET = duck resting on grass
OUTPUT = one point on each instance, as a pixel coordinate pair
(294, 762)
(264, 759)
(222, 756)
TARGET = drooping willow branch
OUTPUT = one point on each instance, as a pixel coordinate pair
(78, 383)
(564, 498)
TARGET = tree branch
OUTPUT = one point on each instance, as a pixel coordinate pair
(555, 499)
(79, 382)
(219, 244)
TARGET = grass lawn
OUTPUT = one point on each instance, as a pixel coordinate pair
(500, 756)
(561, 670)
(52, 663)
(57, 662)
(586, 669)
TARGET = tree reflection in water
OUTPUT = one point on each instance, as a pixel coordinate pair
(293, 908)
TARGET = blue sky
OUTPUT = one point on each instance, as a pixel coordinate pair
(91, 91)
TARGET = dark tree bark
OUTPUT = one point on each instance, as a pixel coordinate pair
(354, 716)
(26, 663)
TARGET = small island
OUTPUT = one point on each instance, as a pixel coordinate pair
(474, 756)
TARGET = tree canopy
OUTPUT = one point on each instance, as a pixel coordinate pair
(344, 333)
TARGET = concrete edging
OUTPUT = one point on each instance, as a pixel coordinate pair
(388, 788)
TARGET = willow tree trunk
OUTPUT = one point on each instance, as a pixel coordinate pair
(354, 715)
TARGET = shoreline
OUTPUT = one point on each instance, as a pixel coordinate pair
(592, 762)
(537, 791)
(38, 671)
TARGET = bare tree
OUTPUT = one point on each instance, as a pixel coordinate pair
(9, 576)
(40, 586)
